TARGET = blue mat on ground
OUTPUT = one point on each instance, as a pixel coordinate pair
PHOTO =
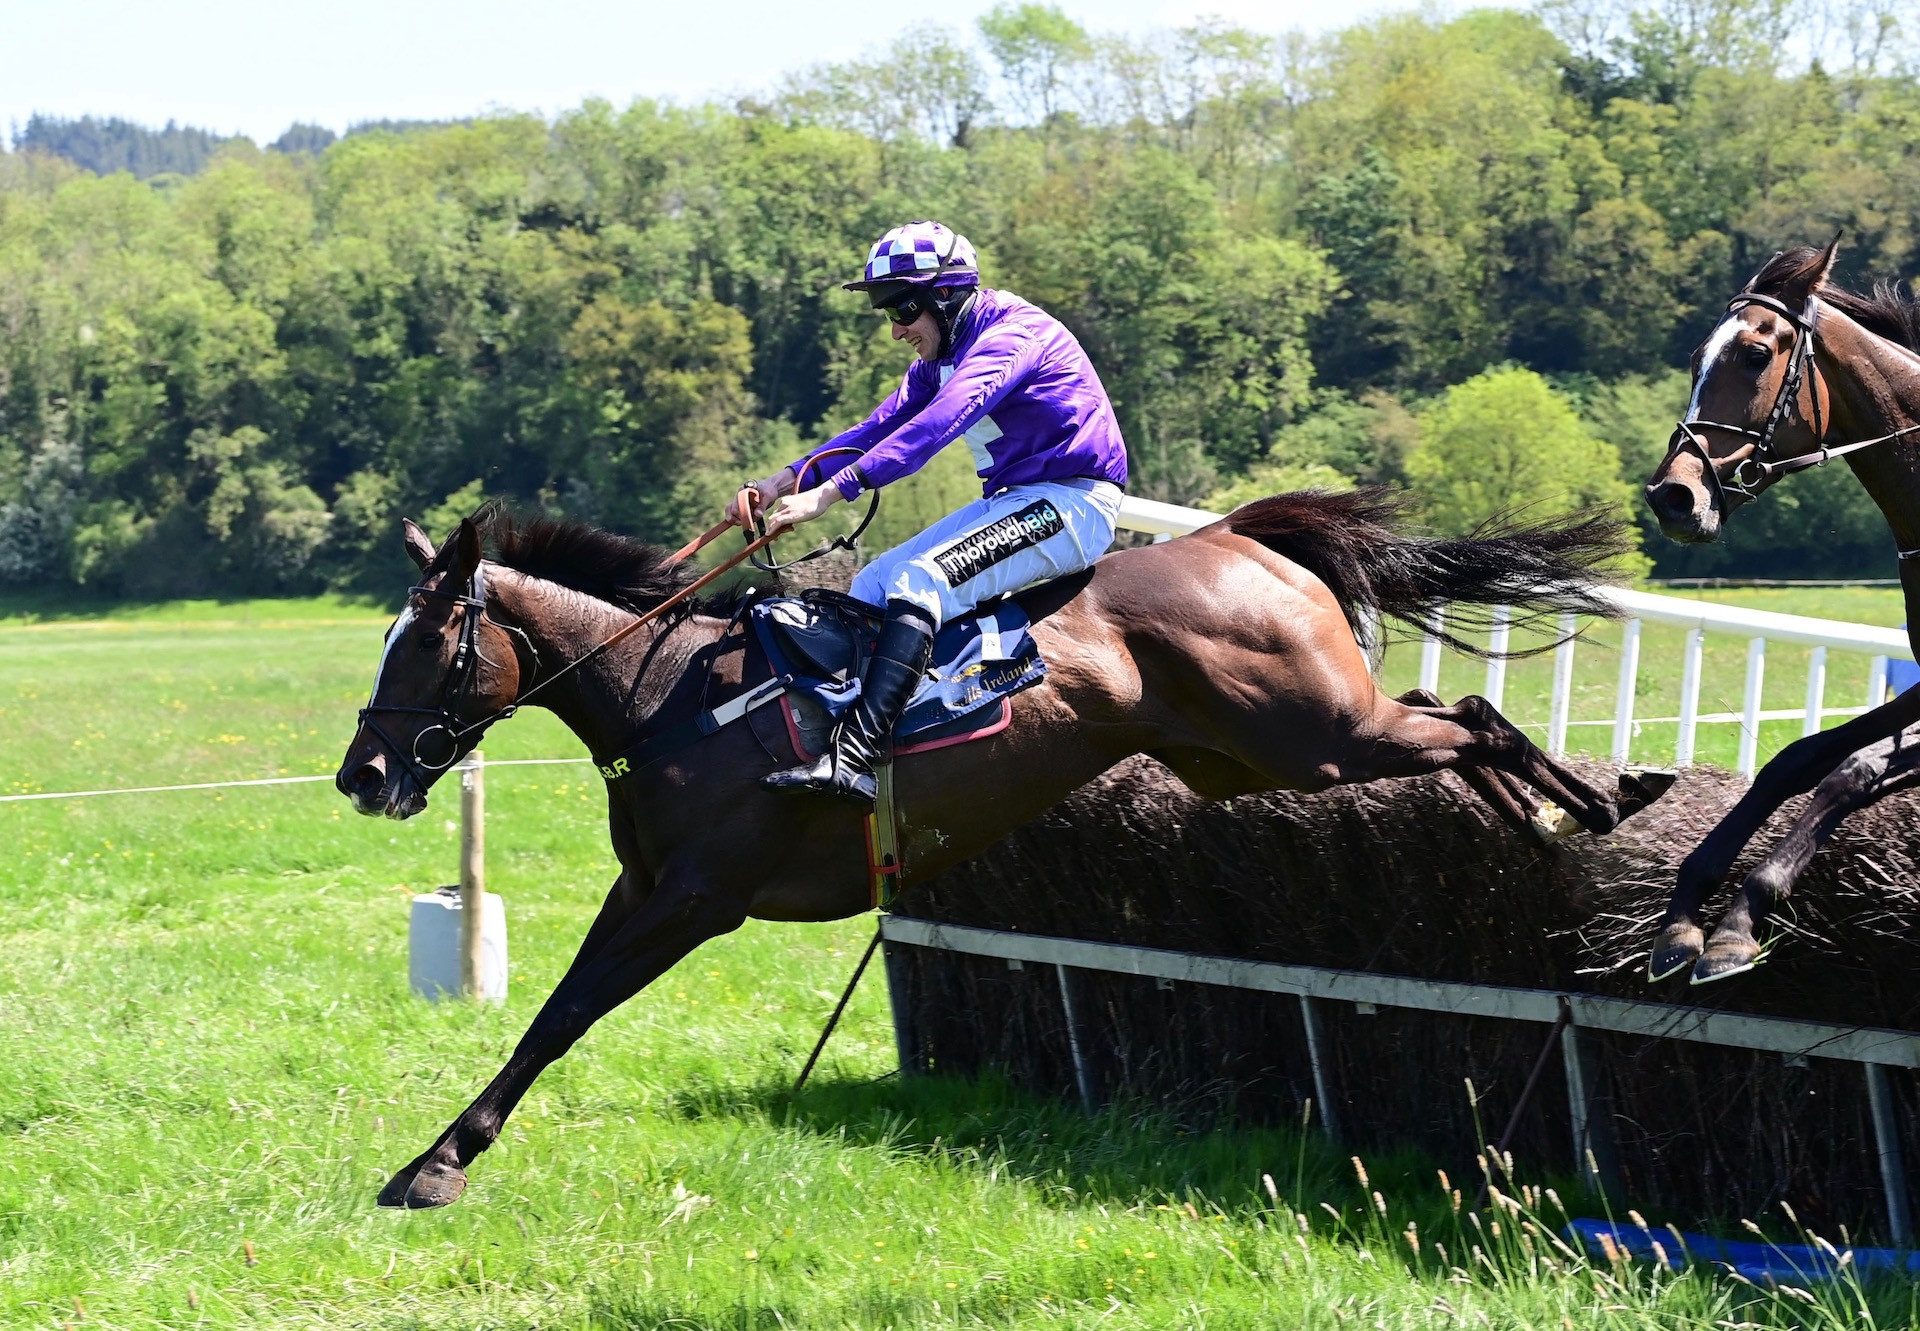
(1778, 1263)
(977, 661)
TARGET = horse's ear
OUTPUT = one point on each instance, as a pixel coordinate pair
(1807, 281)
(1827, 257)
(419, 548)
(466, 550)
(1754, 281)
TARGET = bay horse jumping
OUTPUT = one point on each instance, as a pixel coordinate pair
(1797, 371)
(1229, 655)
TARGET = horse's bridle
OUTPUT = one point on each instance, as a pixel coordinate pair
(455, 686)
(1758, 464)
(457, 683)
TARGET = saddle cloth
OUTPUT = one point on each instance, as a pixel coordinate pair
(818, 644)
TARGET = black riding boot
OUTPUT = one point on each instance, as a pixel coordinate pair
(846, 768)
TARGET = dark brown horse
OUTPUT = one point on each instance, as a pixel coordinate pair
(1797, 371)
(1229, 655)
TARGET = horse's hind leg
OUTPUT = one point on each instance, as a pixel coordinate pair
(1865, 778)
(1408, 741)
(1506, 794)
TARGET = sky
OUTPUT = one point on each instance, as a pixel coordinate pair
(256, 66)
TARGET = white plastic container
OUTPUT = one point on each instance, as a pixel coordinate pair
(433, 945)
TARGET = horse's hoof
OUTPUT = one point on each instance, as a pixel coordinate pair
(427, 1186)
(1726, 958)
(1676, 949)
(1642, 786)
(1552, 823)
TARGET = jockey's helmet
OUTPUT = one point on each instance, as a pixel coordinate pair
(919, 254)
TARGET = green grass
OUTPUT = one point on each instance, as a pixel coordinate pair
(209, 1062)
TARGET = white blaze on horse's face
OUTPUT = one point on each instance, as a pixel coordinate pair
(1710, 355)
(397, 632)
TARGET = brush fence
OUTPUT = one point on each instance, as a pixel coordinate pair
(1369, 949)
(1568, 1017)
(1698, 618)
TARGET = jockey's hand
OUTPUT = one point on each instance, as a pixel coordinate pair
(769, 488)
(804, 507)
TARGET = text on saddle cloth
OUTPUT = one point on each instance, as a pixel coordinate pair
(821, 647)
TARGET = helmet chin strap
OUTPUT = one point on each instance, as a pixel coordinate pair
(948, 311)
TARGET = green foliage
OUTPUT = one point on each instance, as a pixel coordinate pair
(1506, 442)
(241, 375)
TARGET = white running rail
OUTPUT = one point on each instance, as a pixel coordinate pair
(1699, 618)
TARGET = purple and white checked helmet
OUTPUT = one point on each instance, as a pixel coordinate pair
(920, 254)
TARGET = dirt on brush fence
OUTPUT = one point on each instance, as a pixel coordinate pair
(1416, 878)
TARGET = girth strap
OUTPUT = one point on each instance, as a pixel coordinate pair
(689, 732)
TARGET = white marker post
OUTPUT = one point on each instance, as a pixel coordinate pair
(457, 940)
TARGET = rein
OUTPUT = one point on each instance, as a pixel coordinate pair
(457, 684)
(1758, 465)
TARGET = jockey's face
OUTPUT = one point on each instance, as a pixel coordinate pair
(923, 333)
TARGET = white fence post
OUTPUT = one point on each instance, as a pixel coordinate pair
(1496, 655)
(1623, 698)
(1430, 653)
(1562, 688)
(1816, 691)
(473, 874)
(1877, 682)
(1689, 697)
(1750, 706)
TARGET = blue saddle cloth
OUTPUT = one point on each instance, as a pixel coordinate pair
(818, 645)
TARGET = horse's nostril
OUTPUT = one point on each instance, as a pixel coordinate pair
(366, 781)
(1670, 500)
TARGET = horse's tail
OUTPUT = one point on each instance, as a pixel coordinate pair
(1357, 544)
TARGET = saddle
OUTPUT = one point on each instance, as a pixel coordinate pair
(817, 644)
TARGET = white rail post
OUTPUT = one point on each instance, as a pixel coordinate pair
(1594, 1152)
(1750, 706)
(906, 1039)
(1496, 655)
(473, 875)
(1562, 688)
(1877, 682)
(1073, 1005)
(1689, 697)
(1893, 1169)
(1430, 653)
(1816, 691)
(1623, 697)
(1318, 1061)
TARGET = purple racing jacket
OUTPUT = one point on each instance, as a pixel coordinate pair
(1017, 387)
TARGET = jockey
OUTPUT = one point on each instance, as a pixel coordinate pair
(1014, 383)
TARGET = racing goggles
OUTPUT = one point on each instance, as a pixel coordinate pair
(909, 307)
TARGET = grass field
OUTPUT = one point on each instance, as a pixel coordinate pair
(209, 1062)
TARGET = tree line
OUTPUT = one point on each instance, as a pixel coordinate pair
(1464, 256)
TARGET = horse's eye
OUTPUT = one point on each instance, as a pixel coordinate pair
(1759, 355)
(430, 642)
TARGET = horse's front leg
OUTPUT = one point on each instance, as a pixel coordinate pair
(1795, 770)
(628, 947)
(1865, 778)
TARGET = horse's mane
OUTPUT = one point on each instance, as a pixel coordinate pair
(1890, 310)
(602, 564)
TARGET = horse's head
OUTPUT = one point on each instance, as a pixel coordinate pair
(446, 671)
(1756, 403)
